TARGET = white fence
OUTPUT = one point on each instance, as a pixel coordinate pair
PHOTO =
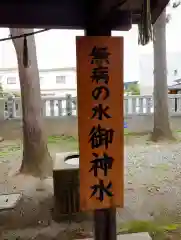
(54, 107)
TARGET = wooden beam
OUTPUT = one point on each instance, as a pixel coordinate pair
(104, 13)
(65, 14)
(107, 6)
(157, 7)
(56, 15)
(74, 14)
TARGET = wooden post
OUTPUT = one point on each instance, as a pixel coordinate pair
(101, 138)
(104, 219)
(104, 209)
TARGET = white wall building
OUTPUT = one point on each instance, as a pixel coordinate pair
(56, 54)
(55, 81)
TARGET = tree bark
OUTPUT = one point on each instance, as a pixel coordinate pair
(161, 129)
(36, 158)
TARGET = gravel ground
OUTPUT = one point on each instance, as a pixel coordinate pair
(152, 178)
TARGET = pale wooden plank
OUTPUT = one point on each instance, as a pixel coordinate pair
(133, 236)
(9, 201)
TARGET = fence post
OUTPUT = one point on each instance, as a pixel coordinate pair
(68, 105)
(11, 107)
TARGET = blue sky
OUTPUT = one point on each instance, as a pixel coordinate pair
(56, 48)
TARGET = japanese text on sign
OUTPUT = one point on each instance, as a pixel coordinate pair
(100, 120)
(101, 136)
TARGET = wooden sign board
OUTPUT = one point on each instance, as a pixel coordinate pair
(100, 120)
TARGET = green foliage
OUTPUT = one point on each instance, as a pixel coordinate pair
(61, 138)
(134, 89)
(63, 141)
(9, 150)
(16, 94)
(155, 230)
(6, 94)
(1, 91)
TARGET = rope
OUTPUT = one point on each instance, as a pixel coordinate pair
(23, 35)
(145, 26)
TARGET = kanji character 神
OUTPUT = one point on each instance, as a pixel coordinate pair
(101, 162)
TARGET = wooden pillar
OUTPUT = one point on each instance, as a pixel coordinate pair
(104, 219)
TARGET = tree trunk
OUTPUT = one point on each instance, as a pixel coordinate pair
(36, 158)
(161, 129)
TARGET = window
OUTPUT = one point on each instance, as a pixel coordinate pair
(11, 80)
(60, 79)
